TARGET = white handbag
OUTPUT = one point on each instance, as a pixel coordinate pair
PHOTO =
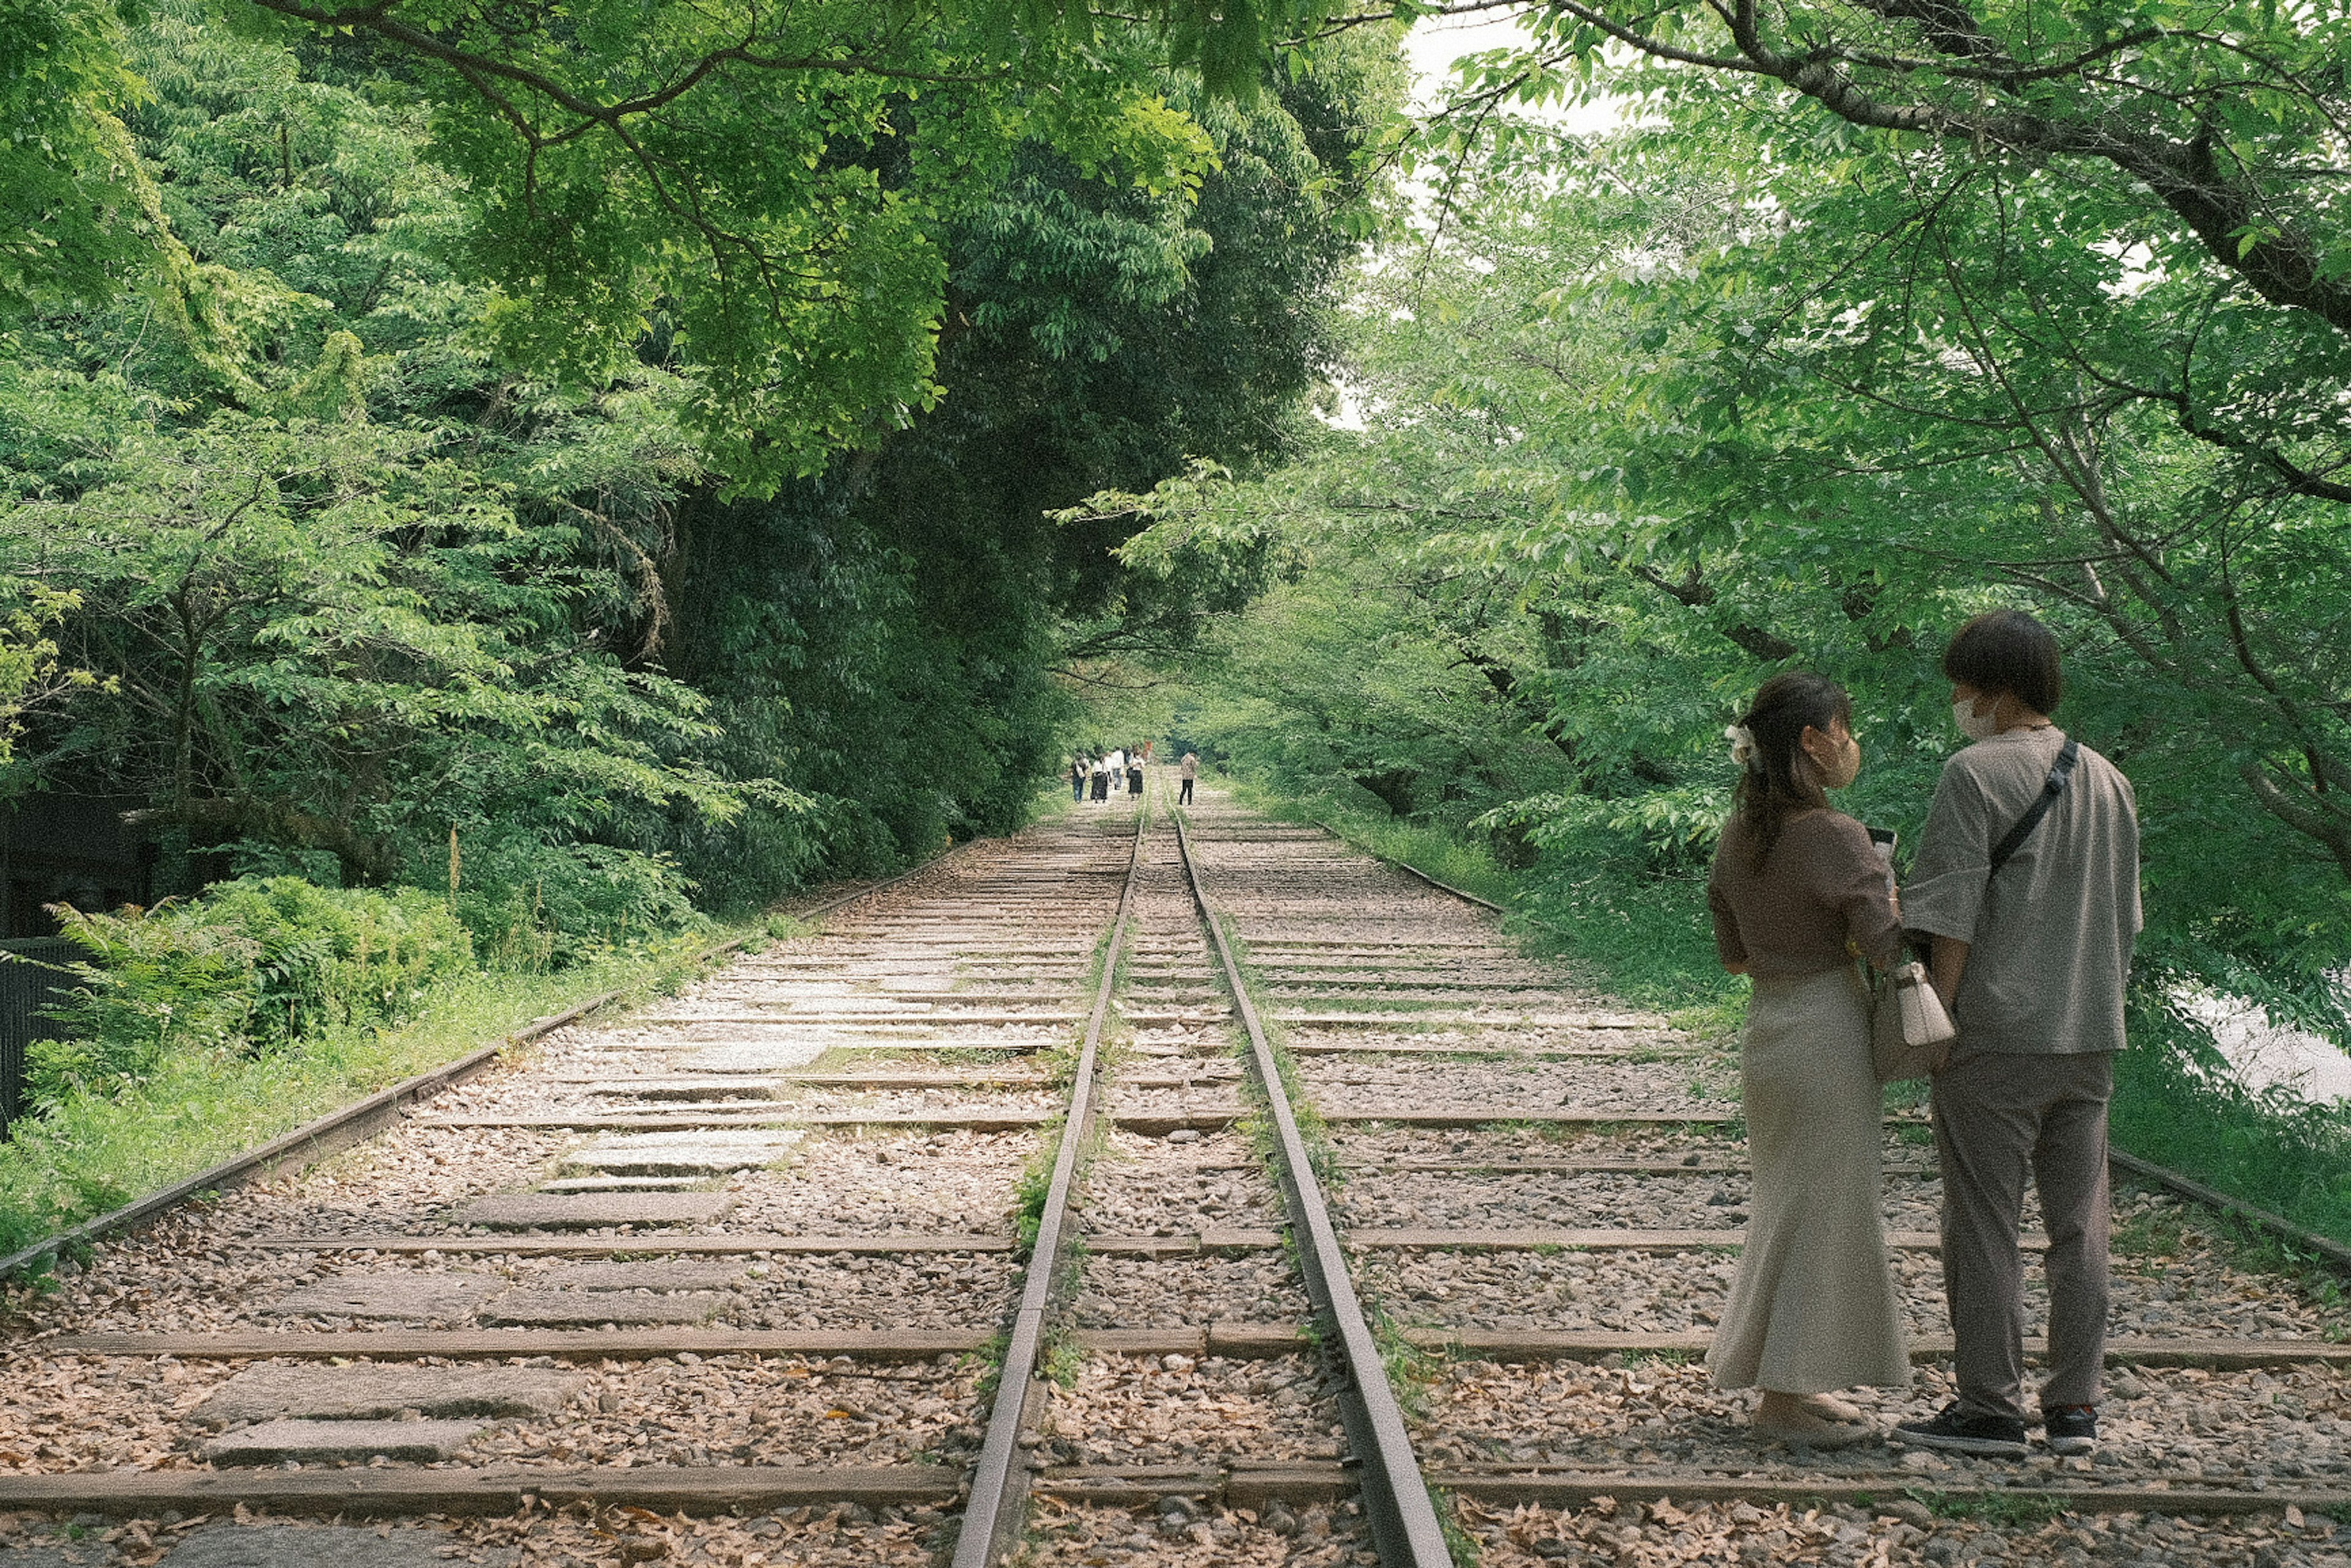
(1910, 1032)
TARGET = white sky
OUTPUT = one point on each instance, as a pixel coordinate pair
(1435, 42)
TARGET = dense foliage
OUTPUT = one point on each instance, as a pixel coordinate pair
(602, 473)
(765, 191)
(257, 965)
(2058, 300)
(354, 567)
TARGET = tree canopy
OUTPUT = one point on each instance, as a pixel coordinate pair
(622, 449)
(763, 194)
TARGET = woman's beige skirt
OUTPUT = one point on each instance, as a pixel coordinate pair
(1813, 1308)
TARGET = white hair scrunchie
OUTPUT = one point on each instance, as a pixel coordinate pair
(1743, 749)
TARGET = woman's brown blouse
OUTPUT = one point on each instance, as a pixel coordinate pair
(1824, 884)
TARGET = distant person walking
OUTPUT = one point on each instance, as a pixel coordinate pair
(1078, 778)
(1134, 773)
(1102, 778)
(1796, 889)
(1188, 770)
(2027, 881)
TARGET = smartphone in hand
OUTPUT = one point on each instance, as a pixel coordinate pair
(1882, 840)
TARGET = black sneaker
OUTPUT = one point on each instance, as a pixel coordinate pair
(2070, 1429)
(1958, 1431)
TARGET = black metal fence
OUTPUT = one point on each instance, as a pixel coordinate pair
(31, 973)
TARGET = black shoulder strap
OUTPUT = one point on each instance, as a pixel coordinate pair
(2051, 788)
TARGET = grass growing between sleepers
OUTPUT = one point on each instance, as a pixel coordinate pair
(2012, 1511)
(90, 1154)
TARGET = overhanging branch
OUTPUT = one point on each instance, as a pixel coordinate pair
(2284, 263)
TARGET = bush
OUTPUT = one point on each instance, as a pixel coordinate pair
(740, 867)
(252, 967)
(532, 905)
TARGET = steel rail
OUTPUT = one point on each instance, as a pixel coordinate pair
(1409, 869)
(2334, 1253)
(1395, 1496)
(337, 1130)
(992, 1519)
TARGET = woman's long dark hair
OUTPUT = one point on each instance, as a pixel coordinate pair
(1779, 779)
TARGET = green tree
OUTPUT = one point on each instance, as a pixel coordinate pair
(1625, 453)
(2070, 288)
(365, 559)
(76, 218)
(318, 635)
(29, 675)
(769, 194)
(2216, 129)
(894, 625)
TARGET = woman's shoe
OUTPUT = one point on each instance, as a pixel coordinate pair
(1802, 1427)
(1829, 1407)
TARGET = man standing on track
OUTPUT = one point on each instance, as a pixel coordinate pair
(1188, 770)
(2027, 881)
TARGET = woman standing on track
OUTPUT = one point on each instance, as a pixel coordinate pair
(1797, 889)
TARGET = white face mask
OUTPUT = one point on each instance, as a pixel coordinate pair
(1973, 725)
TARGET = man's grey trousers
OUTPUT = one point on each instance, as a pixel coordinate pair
(1997, 1119)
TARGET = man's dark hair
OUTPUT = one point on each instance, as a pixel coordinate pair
(2008, 650)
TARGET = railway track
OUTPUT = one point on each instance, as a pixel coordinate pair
(1197, 1192)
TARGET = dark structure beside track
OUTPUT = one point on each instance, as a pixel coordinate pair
(32, 976)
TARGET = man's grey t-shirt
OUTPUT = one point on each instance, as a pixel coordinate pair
(2049, 938)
